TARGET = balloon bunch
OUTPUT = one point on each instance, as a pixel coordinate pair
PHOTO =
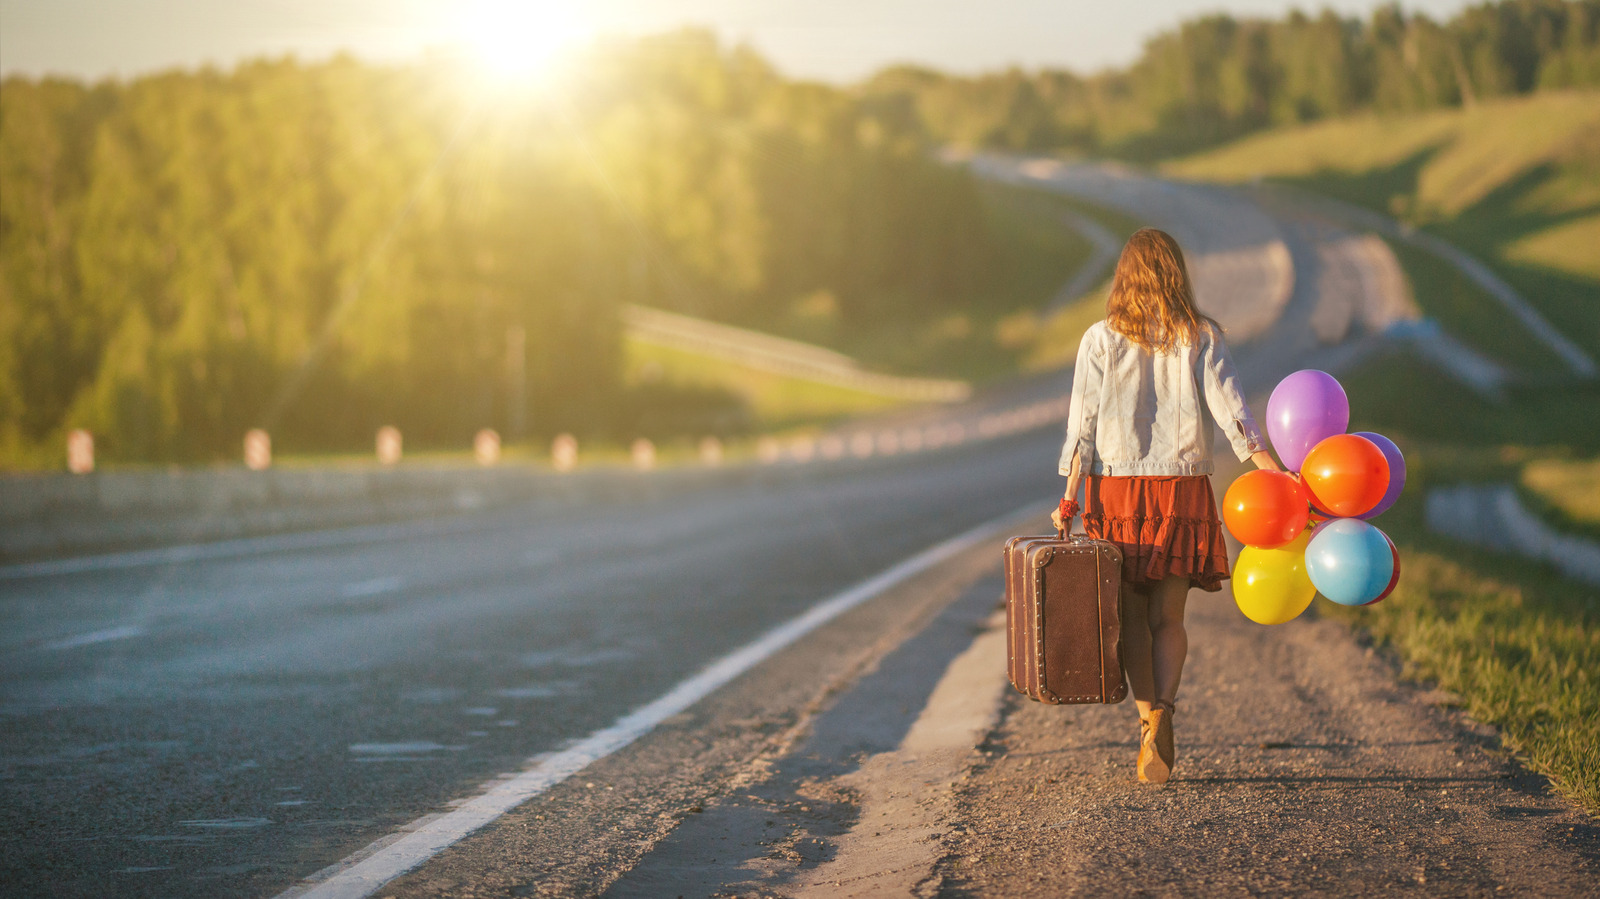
(1345, 480)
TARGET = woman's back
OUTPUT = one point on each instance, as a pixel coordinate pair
(1153, 412)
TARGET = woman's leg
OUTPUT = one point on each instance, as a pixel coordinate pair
(1169, 642)
(1136, 646)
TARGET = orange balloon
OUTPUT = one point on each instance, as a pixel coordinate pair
(1264, 508)
(1346, 475)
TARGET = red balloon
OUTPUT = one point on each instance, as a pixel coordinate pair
(1264, 508)
(1393, 578)
(1346, 475)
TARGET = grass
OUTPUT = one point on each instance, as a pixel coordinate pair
(1516, 182)
(1520, 645)
(773, 400)
(1519, 642)
(1444, 294)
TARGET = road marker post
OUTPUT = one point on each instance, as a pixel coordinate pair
(80, 451)
(564, 452)
(388, 445)
(711, 452)
(257, 450)
(486, 447)
(644, 454)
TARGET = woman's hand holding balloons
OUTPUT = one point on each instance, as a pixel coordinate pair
(1264, 508)
(1335, 479)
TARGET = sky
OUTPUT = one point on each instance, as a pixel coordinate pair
(832, 40)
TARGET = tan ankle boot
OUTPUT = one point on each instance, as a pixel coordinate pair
(1147, 750)
(1157, 754)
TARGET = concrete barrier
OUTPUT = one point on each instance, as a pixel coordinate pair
(44, 516)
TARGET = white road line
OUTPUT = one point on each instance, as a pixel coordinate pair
(366, 871)
(100, 636)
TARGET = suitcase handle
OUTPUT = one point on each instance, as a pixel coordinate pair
(1061, 534)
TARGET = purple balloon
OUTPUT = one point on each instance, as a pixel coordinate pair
(1397, 474)
(1306, 408)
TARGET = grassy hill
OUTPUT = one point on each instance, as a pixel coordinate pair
(1516, 182)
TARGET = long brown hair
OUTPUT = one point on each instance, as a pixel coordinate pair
(1151, 301)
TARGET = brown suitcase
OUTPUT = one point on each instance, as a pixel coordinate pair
(1064, 619)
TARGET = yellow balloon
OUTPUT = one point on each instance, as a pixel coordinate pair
(1272, 586)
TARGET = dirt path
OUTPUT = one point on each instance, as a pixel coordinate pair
(1303, 768)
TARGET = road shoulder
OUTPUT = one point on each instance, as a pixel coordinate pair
(1305, 766)
(749, 754)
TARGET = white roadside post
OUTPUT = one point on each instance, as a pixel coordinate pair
(564, 452)
(80, 451)
(388, 445)
(644, 454)
(711, 452)
(486, 447)
(257, 450)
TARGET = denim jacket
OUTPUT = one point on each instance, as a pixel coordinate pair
(1138, 412)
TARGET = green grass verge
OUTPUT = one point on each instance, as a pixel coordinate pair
(1516, 640)
(1519, 645)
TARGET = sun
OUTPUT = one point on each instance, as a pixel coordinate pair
(518, 40)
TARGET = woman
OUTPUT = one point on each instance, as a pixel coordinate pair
(1153, 381)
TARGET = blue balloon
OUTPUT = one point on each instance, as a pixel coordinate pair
(1349, 561)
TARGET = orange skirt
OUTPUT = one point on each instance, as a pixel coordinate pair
(1164, 526)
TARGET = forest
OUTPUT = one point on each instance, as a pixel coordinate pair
(323, 248)
(1217, 78)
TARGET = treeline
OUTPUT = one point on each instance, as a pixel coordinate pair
(322, 249)
(1219, 77)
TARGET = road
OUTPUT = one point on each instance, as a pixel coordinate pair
(228, 726)
(232, 726)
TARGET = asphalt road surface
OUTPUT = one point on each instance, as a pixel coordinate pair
(228, 726)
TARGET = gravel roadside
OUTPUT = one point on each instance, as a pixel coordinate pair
(1304, 768)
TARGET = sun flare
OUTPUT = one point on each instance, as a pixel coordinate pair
(520, 39)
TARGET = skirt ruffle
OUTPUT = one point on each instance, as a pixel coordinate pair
(1165, 527)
